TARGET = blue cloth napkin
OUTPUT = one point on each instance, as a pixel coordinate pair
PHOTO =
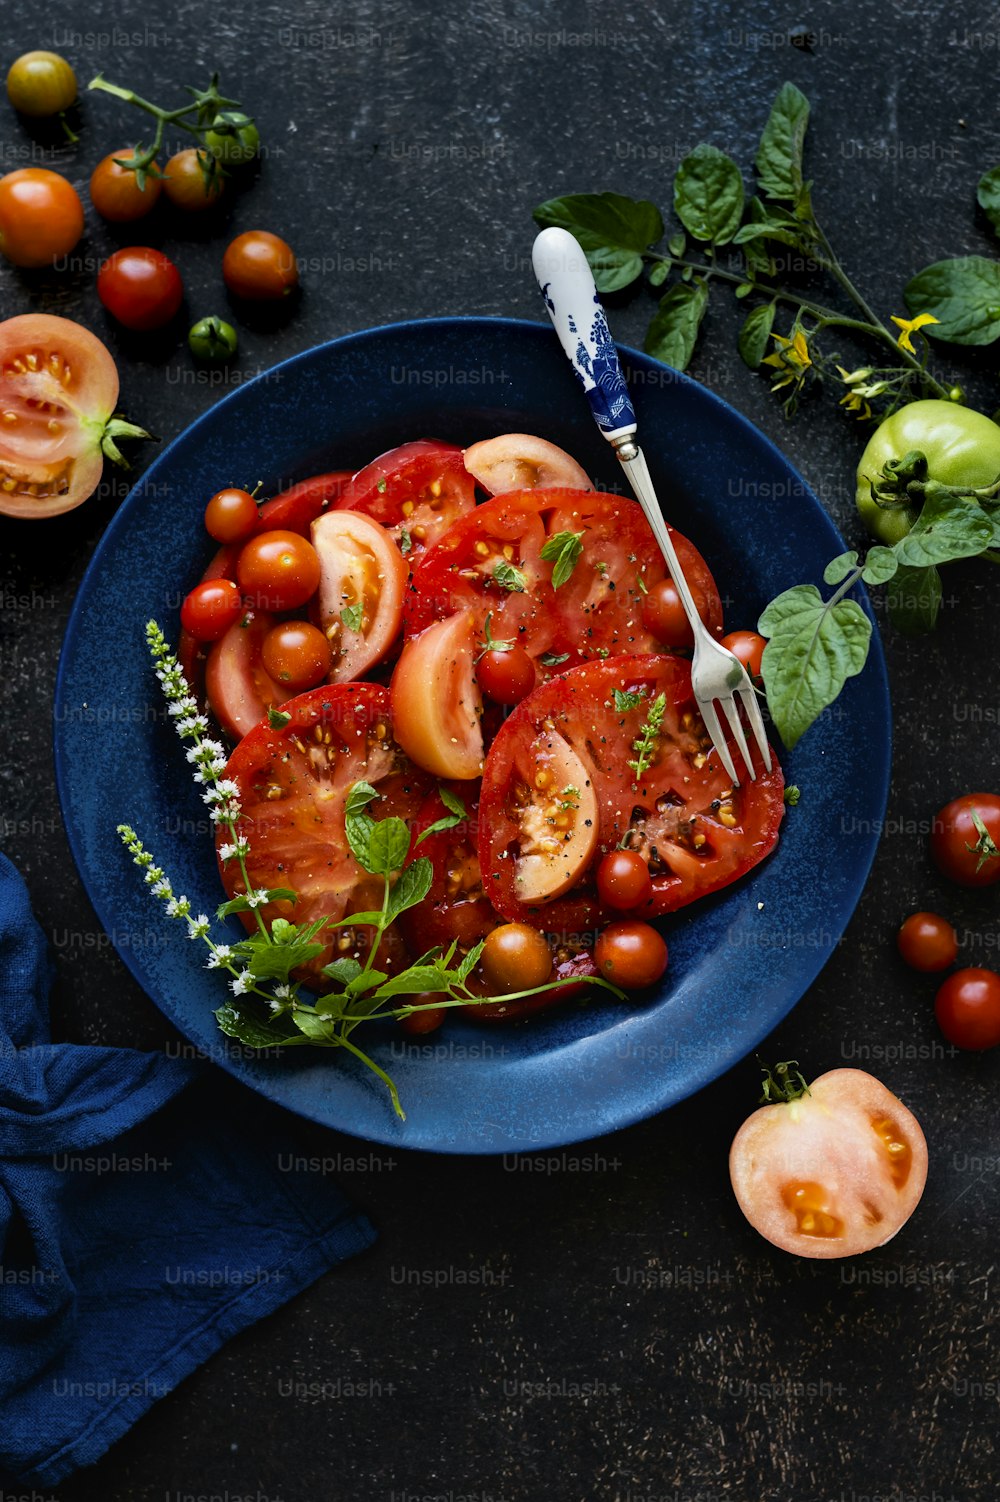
(143, 1221)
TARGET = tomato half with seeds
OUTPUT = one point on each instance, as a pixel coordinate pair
(490, 564)
(359, 601)
(416, 491)
(561, 790)
(436, 699)
(293, 785)
(830, 1173)
(60, 389)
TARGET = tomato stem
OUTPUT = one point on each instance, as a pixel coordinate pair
(782, 1084)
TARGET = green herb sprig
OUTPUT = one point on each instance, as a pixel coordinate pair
(644, 745)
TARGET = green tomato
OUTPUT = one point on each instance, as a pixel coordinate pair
(212, 340)
(962, 448)
(236, 144)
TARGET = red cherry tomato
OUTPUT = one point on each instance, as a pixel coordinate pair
(506, 674)
(278, 570)
(141, 287)
(231, 516)
(211, 608)
(260, 267)
(186, 184)
(967, 1008)
(663, 614)
(623, 880)
(967, 851)
(631, 955)
(748, 647)
(296, 655)
(927, 942)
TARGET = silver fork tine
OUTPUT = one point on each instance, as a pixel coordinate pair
(714, 729)
(732, 715)
(748, 698)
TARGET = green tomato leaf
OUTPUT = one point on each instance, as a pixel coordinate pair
(755, 333)
(880, 565)
(988, 194)
(659, 273)
(672, 334)
(948, 527)
(412, 887)
(613, 230)
(963, 294)
(563, 551)
(779, 156)
(708, 195)
(839, 568)
(813, 648)
(914, 599)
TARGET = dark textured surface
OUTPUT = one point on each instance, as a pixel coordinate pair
(607, 1325)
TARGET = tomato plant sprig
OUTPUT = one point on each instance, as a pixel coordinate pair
(209, 114)
(269, 1007)
(619, 236)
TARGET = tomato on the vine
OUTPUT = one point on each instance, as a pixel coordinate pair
(115, 191)
(962, 448)
(967, 1008)
(189, 181)
(41, 216)
(141, 287)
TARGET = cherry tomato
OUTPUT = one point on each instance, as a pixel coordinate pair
(631, 955)
(516, 957)
(141, 287)
(833, 1172)
(623, 880)
(427, 1020)
(663, 614)
(967, 1008)
(964, 852)
(115, 191)
(927, 942)
(748, 647)
(52, 461)
(278, 570)
(507, 674)
(211, 608)
(41, 84)
(41, 216)
(260, 267)
(296, 654)
(213, 340)
(189, 183)
(231, 515)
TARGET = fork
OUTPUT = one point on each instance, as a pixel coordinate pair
(717, 676)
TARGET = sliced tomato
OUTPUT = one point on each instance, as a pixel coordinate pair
(436, 701)
(416, 492)
(455, 907)
(359, 604)
(490, 564)
(60, 387)
(520, 461)
(293, 785)
(565, 752)
(295, 509)
(238, 688)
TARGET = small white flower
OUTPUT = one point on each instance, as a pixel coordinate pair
(283, 990)
(162, 888)
(241, 983)
(227, 852)
(257, 898)
(198, 927)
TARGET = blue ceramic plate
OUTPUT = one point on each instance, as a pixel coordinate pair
(738, 962)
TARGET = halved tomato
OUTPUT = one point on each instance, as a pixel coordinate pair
(436, 701)
(295, 509)
(416, 492)
(520, 461)
(60, 388)
(238, 687)
(562, 787)
(490, 564)
(359, 603)
(293, 785)
(833, 1172)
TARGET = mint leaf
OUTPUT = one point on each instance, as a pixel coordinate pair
(755, 334)
(316, 1029)
(563, 551)
(344, 970)
(672, 334)
(814, 648)
(253, 1031)
(358, 824)
(553, 659)
(613, 230)
(471, 960)
(708, 195)
(352, 616)
(456, 813)
(412, 887)
(388, 847)
(914, 599)
(627, 698)
(405, 541)
(963, 294)
(948, 527)
(509, 577)
(277, 718)
(988, 194)
(276, 961)
(779, 156)
(411, 982)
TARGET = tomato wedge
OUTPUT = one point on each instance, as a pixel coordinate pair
(238, 688)
(564, 756)
(60, 387)
(490, 564)
(293, 785)
(436, 701)
(359, 604)
(416, 492)
(520, 461)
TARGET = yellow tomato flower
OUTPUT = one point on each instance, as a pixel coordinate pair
(910, 326)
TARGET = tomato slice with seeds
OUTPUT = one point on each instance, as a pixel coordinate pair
(359, 604)
(293, 784)
(520, 461)
(693, 828)
(295, 509)
(416, 491)
(490, 564)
